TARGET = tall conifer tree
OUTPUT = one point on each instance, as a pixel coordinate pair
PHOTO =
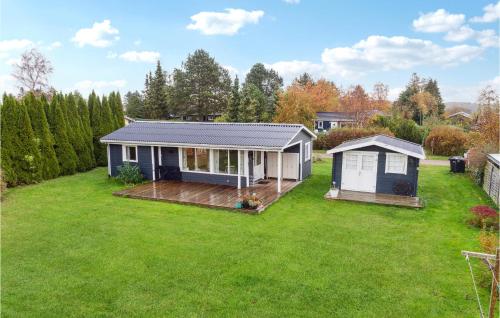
(49, 167)
(86, 128)
(19, 147)
(65, 153)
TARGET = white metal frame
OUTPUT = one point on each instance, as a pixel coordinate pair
(308, 151)
(396, 155)
(109, 160)
(375, 143)
(125, 152)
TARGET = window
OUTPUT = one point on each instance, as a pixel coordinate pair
(130, 153)
(367, 163)
(320, 124)
(257, 157)
(396, 163)
(308, 151)
(195, 159)
(351, 162)
(226, 161)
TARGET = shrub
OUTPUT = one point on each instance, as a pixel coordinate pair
(337, 136)
(320, 142)
(402, 128)
(129, 174)
(488, 241)
(446, 140)
(484, 217)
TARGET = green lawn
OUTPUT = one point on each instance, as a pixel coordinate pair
(70, 248)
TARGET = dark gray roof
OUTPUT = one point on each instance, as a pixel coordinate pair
(392, 143)
(335, 116)
(251, 135)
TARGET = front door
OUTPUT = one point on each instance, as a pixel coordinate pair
(258, 165)
(359, 171)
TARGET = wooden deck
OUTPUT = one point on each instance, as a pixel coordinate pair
(377, 198)
(207, 195)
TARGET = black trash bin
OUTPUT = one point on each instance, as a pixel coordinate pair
(457, 164)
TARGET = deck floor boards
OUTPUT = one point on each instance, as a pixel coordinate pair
(209, 195)
(377, 198)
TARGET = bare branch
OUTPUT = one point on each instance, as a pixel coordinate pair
(33, 71)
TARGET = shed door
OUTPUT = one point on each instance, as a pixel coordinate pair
(290, 165)
(359, 171)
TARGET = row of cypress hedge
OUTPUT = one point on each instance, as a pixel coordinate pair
(45, 138)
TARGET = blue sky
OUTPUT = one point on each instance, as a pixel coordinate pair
(109, 45)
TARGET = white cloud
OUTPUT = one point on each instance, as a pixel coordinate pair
(470, 93)
(100, 87)
(461, 34)
(289, 70)
(101, 34)
(14, 45)
(233, 71)
(228, 22)
(485, 38)
(142, 56)
(438, 21)
(7, 84)
(488, 38)
(491, 14)
(381, 53)
(292, 1)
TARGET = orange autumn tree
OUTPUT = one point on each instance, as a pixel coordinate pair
(325, 96)
(295, 106)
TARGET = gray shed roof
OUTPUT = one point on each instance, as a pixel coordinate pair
(391, 143)
(335, 116)
(228, 135)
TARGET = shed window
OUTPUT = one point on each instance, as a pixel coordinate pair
(351, 162)
(130, 153)
(396, 163)
(195, 159)
(308, 151)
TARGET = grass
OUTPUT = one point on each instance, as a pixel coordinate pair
(70, 248)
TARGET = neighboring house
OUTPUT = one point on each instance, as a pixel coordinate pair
(491, 182)
(329, 120)
(459, 118)
(128, 120)
(236, 154)
(200, 118)
(377, 164)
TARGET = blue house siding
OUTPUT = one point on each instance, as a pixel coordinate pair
(115, 159)
(213, 178)
(385, 181)
(145, 162)
(304, 137)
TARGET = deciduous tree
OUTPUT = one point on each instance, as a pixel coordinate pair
(268, 82)
(234, 103)
(295, 106)
(33, 71)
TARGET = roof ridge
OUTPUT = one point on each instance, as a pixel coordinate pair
(410, 142)
(216, 123)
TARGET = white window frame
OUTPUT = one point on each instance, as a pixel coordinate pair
(126, 153)
(181, 160)
(396, 155)
(308, 151)
(211, 166)
(320, 124)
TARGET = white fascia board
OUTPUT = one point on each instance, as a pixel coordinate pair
(160, 144)
(376, 143)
